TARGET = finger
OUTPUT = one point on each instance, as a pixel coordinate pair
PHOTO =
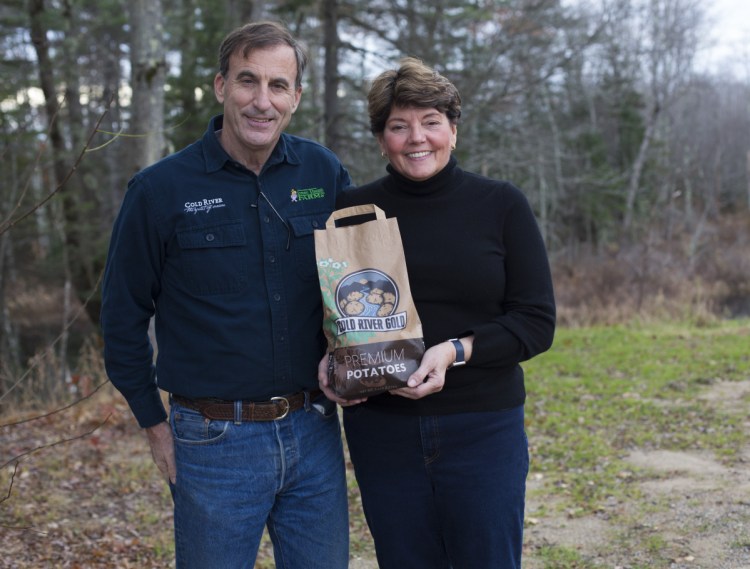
(328, 392)
(323, 371)
(408, 392)
(172, 469)
(418, 377)
(351, 402)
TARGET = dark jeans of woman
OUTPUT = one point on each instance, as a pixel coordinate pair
(444, 491)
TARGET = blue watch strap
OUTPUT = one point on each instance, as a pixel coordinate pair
(460, 354)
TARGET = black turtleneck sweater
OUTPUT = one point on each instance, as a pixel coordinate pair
(477, 265)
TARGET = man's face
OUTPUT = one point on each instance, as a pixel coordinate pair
(259, 98)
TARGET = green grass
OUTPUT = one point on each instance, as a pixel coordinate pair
(602, 392)
(556, 557)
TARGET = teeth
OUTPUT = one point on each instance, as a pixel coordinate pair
(417, 154)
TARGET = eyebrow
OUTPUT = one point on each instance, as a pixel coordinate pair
(427, 116)
(246, 73)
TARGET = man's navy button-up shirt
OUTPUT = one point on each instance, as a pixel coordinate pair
(224, 260)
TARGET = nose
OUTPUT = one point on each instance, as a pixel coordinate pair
(262, 100)
(416, 135)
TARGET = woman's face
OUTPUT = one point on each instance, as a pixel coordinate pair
(417, 141)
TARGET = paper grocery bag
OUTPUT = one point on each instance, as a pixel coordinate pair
(374, 334)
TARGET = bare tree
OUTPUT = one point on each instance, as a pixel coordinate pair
(331, 43)
(668, 52)
(148, 79)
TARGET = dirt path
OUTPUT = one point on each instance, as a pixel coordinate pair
(694, 509)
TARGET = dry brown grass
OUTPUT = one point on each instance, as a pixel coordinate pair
(695, 277)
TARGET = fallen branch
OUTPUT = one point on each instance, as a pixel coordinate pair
(18, 458)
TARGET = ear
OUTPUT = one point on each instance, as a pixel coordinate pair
(381, 143)
(219, 84)
(297, 97)
(454, 136)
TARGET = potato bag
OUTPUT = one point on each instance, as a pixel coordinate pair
(374, 334)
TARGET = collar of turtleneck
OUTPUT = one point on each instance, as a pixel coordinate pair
(446, 178)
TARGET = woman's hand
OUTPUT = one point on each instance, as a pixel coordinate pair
(430, 375)
(326, 388)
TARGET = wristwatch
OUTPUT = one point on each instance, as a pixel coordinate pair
(460, 356)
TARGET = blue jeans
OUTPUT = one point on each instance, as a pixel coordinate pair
(235, 478)
(442, 491)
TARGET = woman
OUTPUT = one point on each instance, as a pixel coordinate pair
(442, 464)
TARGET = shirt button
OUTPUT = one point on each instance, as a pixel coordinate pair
(210, 237)
(272, 259)
(277, 296)
(267, 219)
(315, 223)
(281, 338)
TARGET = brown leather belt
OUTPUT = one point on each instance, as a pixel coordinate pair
(273, 410)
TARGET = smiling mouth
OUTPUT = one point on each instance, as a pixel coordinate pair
(260, 120)
(418, 154)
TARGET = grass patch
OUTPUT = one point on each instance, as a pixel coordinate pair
(601, 393)
(555, 557)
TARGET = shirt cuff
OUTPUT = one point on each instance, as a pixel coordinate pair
(149, 411)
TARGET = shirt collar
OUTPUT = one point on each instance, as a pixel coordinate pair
(216, 157)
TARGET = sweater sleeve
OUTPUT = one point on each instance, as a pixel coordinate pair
(527, 323)
(131, 283)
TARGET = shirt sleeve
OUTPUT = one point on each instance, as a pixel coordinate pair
(131, 283)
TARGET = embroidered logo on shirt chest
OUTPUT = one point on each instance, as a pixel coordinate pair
(204, 205)
(307, 194)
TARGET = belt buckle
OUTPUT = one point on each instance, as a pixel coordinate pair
(281, 400)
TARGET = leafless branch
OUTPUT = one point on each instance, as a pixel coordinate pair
(56, 411)
(10, 484)
(17, 459)
(9, 224)
(7, 496)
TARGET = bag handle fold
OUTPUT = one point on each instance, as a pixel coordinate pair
(353, 211)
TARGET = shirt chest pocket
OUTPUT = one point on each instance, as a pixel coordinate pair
(303, 243)
(214, 258)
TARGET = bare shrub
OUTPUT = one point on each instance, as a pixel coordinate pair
(688, 276)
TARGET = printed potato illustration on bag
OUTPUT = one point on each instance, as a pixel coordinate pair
(374, 333)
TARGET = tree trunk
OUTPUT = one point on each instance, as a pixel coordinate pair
(79, 252)
(331, 115)
(241, 12)
(149, 76)
(638, 165)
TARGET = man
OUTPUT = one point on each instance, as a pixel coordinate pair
(216, 242)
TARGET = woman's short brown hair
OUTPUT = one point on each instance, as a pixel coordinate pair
(260, 35)
(414, 84)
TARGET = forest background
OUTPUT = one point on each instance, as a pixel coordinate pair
(633, 150)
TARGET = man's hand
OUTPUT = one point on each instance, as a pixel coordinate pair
(328, 391)
(162, 449)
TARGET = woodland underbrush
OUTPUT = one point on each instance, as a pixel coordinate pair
(696, 276)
